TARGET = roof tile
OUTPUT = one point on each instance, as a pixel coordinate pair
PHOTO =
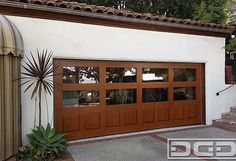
(126, 13)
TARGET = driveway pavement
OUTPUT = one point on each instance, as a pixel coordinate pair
(147, 147)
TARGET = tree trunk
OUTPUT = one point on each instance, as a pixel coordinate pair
(40, 108)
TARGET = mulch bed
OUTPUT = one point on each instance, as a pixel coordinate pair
(70, 158)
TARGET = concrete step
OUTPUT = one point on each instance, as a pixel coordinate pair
(225, 124)
(233, 109)
(229, 116)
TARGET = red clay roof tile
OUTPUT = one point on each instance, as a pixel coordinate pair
(126, 13)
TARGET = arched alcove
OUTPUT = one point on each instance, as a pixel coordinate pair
(11, 53)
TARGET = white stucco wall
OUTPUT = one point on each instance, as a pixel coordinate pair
(82, 41)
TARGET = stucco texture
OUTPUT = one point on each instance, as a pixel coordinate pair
(82, 41)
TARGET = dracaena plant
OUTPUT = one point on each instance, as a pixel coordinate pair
(38, 69)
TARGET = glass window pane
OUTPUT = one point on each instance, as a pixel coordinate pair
(80, 98)
(184, 75)
(80, 74)
(155, 94)
(155, 75)
(184, 93)
(120, 75)
(120, 96)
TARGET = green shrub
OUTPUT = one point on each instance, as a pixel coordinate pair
(46, 145)
(23, 154)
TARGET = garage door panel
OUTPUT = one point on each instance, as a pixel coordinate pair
(192, 110)
(185, 110)
(92, 120)
(163, 113)
(71, 123)
(113, 119)
(178, 111)
(130, 117)
(148, 115)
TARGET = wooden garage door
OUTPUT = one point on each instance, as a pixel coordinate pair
(95, 98)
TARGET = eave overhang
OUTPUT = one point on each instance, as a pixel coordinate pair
(79, 16)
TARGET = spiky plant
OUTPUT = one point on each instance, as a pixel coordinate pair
(38, 71)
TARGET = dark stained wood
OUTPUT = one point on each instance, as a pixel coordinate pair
(113, 119)
(130, 117)
(178, 112)
(84, 122)
(71, 123)
(148, 115)
(191, 110)
(26, 12)
(92, 120)
(203, 97)
(163, 114)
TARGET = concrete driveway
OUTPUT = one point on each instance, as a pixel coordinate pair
(145, 147)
